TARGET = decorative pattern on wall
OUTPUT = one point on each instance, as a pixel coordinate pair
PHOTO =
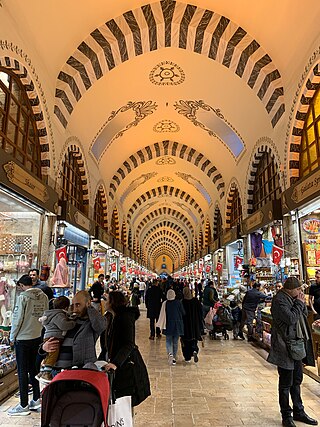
(165, 160)
(167, 73)
(135, 183)
(167, 225)
(165, 191)
(189, 211)
(162, 24)
(165, 148)
(163, 234)
(106, 135)
(165, 179)
(224, 131)
(166, 126)
(21, 72)
(196, 184)
(311, 86)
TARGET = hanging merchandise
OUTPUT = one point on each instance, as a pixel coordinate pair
(208, 269)
(219, 266)
(123, 268)
(256, 244)
(60, 275)
(23, 264)
(113, 266)
(61, 253)
(276, 254)
(238, 261)
(96, 263)
(44, 272)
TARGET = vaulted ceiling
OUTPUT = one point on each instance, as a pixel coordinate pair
(167, 98)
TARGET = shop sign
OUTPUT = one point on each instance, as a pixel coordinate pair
(25, 181)
(252, 222)
(311, 225)
(214, 246)
(230, 236)
(306, 188)
(82, 220)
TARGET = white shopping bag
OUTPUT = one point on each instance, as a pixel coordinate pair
(120, 413)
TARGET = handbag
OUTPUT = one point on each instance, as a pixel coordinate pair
(10, 263)
(296, 349)
(208, 320)
(23, 264)
(120, 412)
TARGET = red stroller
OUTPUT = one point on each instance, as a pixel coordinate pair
(76, 398)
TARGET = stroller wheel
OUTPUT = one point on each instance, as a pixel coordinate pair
(227, 336)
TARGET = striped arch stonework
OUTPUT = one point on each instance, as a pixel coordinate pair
(21, 72)
(124, 233)
(165, 190)
(168, 148)
(76, 152)
(162, 212)
(253, 170)
(168, 225)
(311, 86)
(163, 24)
(166, 243)
(163, 236)
(102, 192)
(207, 233)
(217, 211)
(115, 222)
(232, 190)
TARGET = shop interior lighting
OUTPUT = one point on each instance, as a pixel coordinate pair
(309, 208)
(61, 228)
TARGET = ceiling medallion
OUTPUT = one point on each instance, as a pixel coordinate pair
(166, 126)
(165, 179)
(165, 160)
(167, 73)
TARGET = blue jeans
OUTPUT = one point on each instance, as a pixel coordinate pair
(172, 344)
(26, 355)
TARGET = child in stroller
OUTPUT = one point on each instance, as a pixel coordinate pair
(222, 321)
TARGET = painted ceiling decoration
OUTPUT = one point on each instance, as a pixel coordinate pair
(134, 184)
(223, 130)
(196, 184)
(167, 148)
(167, 73)
(166, 190)
(166, 126)
(165, 179)
(116, 126)
(162, 24)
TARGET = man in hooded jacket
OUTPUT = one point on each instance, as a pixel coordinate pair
(26, 336)
(289, 323)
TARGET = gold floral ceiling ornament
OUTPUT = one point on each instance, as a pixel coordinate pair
(167, 73)
(165, 179)
(166, 126)
(165, 160)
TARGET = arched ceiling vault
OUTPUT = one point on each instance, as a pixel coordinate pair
(167, 98)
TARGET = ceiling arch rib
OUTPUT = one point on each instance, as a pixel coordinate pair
(158, 150)
(166, 240)
(159, 250)
(161, 192)
(165, 212)
(168, 225)
(154, 26)
(163, 233)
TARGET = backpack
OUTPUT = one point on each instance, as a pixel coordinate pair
(225, 317)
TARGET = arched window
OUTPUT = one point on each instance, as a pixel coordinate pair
(18, 130)
(266, 185)
(236, 209)
(100, 211)
(310, 141)
(218, 226)
(71, 182)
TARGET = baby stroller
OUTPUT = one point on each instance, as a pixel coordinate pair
(222, 321)
(76, 398)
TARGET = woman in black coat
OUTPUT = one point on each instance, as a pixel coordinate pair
(193, 326)
(119, 349)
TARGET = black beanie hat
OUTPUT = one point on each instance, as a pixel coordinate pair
(292, 283)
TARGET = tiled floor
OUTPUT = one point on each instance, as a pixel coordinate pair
(232, 385)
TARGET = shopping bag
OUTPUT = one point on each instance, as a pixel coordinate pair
(209, 319)
(120, 413)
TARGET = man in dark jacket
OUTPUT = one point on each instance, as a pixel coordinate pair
(210, 297)
(249, 305)
(37, 283)
(153, 301)
(96, 291)
(289, 323)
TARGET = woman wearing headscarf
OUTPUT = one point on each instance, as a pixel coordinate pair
(193, 326)
(171, 322)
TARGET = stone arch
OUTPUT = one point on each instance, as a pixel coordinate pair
(124, 233)
(78, 154)
(207, 233)
(264, 145)
(13, 65)
(100, 188)
(159, 150)
(310, 85)
(162, 212)
(169, 23)
(162, 191)
(115, 224)
(175, 227)
(234, 185)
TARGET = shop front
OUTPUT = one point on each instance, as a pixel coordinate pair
(75, 242)
(264, 235)
(98, 261)
(231, 275)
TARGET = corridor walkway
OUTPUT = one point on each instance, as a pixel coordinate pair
(232, 385)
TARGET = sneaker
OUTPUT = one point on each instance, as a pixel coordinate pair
(34, 405)
(19, 410)
(170, 359)
(187, 361)
(174, 362)
(46, 377)
(30, 391)
(195, 357)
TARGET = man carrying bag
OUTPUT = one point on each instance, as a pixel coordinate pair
(291, 346)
